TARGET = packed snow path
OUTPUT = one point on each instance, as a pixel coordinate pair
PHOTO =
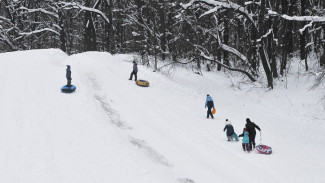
(111, 130)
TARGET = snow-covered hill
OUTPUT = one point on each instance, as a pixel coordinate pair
(111, 130)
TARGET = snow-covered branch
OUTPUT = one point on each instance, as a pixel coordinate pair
(233, 51)
(252, 2)
(227, 67)
(265, 35)
(73, 5)
(221, 5)
(298, 18)
(305, 27)
(5, 19)
(39, 10)
(7, 40)
(38, 31)
(210, 11)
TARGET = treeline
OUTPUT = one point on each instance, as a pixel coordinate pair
(242, 36)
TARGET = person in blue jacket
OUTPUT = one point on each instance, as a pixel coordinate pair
(245, 143)
(209, 103)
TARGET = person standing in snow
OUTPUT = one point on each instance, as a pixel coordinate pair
(68, 75)
(250, 127)
(135, 71)
(245, 143)
(209, 103)
(230, 130)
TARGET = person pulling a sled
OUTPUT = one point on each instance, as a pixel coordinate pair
(230, 131)
(135, 71)
(250, 127)
(68, 75)
(245, 142)
(209, 103)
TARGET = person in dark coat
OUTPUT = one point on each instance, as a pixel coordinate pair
(68, 75)
(209, 103)
(230, 130)
(135, 71)
(250, 127)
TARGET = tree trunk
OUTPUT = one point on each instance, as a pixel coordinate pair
(285, 39)
(303, 36)
(261, 47)
(162, 28)
(322, 58)
(226, 37)
(62, 33)
(90, 34)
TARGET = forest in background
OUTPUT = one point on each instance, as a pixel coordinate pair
(251, 37)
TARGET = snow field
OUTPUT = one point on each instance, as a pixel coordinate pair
(113, 130)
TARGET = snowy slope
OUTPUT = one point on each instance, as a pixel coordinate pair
(111, 130)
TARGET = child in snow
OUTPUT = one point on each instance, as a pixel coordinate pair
(231, 134)
(245, 143)
(230, 130)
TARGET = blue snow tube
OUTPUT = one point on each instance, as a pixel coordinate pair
(68, 89)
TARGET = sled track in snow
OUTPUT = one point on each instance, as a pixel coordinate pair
(153, 154)
(186, 180)
(113, 115)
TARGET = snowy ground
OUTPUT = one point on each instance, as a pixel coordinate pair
(111, 130)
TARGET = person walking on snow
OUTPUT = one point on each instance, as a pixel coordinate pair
(250, 127)
(68, 75)
(135, 71)
(209, 103)
(230, 130)
(245, 143)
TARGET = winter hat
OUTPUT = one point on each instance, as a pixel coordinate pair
(228, 122)
(208, 95)
(68, 65)
(248, 120)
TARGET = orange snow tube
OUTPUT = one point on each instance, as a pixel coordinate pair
(214, 111)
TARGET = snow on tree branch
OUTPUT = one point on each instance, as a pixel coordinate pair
(221, 4)
(252, 2)
(298, 18)
(5, 19)
(265, 35)
(305, 27)
(210, 11)
(40, 10)
(73, 5)
(227, 67)
(38, 31)
(233, 51)
(7, 40)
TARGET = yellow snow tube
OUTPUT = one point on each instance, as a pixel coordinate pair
(143, 83)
